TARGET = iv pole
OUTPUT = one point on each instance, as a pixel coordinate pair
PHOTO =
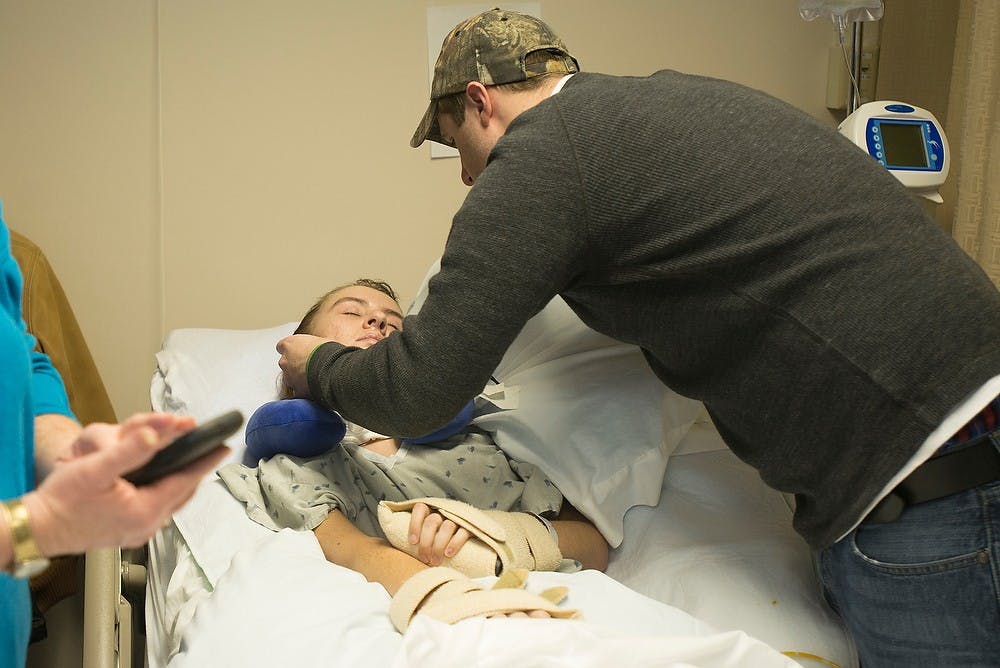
(854, 92)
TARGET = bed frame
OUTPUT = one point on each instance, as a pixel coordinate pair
(114, 593)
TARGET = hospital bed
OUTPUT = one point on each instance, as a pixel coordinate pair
(706, 568)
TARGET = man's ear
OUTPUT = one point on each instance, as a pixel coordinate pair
(480, 102)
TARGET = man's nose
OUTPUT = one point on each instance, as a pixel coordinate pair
(378, 320)
(467, 178)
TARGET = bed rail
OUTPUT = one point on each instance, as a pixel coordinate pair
(114, 583)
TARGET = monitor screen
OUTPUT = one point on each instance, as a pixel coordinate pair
(904, 144)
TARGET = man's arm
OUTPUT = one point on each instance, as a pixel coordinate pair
(520, 238)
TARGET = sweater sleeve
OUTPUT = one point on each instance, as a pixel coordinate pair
(48, 395)
(49, 317)
(516, 242)
(47, 390)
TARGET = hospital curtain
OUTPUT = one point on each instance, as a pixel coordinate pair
(974, 133)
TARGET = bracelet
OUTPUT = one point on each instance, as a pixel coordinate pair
(28, 559)
(8, 526)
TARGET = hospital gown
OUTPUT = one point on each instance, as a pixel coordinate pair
(299, 493)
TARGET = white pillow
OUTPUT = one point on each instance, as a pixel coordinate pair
(588, 411)
(205, 372)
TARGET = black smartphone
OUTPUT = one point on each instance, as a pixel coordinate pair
(187, 448)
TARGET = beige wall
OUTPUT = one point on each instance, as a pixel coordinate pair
(918, 42)
(79, 168)
(197, 163)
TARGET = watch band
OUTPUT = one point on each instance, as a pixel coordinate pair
(28, 559)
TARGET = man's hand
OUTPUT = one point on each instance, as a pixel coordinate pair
(295, 351)
(85, 503)
(437, 537)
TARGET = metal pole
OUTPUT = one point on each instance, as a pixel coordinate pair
(853, 101)
(101, 593)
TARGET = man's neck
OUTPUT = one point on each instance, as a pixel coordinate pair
(512, 105)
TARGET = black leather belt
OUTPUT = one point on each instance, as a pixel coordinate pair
(971, 464)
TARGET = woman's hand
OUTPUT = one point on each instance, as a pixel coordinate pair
(85, 503)
(436, 536)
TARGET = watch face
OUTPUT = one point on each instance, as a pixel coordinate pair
(30, 568)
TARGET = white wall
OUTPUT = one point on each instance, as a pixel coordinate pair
(221, 163)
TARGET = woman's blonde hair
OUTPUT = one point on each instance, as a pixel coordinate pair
(307, 320)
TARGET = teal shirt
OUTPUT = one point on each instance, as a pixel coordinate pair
(29, 386)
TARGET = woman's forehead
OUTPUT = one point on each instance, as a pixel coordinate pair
(364, 295)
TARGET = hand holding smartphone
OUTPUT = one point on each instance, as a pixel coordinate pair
(187, 448)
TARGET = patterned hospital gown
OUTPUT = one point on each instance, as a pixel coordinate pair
(299, 493)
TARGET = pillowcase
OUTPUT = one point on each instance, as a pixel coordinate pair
(204, 372)
(587, 410)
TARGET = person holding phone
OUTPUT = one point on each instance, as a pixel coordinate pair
(61, 487)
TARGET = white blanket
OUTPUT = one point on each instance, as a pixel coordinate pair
(282, 604)
(717, 557)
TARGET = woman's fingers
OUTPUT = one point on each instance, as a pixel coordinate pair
(418, 514)
(443, 540)
(456, 542)
(428, 533)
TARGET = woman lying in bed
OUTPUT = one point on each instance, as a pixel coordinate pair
(337, 495)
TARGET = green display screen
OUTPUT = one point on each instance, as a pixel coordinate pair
(903, 144)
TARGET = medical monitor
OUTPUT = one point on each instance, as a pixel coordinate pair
(906, 140)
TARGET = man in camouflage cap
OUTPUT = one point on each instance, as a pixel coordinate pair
(764, 265)
(493, 48)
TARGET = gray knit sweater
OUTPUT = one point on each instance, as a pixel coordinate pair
(765, 265)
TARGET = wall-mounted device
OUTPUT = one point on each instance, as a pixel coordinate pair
(906, 140)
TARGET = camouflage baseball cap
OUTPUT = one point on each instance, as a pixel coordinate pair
(491, 48)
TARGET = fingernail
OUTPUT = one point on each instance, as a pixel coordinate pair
(449, 552)
(413, 539)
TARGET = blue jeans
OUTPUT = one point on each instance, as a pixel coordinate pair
(923, 590)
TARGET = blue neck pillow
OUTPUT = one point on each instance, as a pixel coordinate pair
(303, 428)
(296, 427)
(457, 424)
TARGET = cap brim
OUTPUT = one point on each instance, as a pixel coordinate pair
(426, 125)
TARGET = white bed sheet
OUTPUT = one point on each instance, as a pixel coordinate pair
(719, 551)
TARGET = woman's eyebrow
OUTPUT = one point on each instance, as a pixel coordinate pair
(365, 302)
